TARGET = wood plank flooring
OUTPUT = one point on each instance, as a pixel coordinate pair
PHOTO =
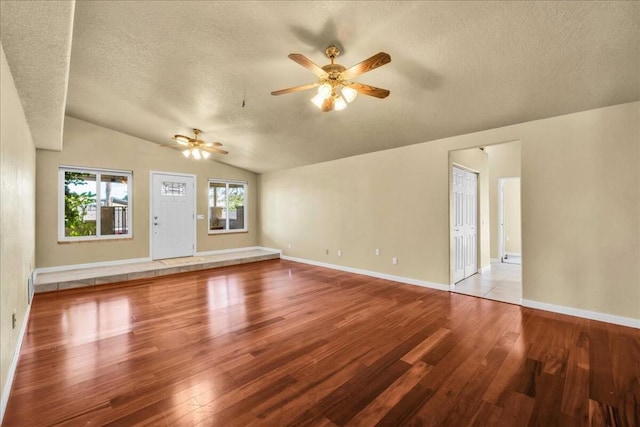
(279, 343)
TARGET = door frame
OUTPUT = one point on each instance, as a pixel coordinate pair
(501, 219)
(501, 235)
(451, 232)
(195, 207)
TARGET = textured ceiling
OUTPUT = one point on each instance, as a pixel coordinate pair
(36, 37)
(153, 69)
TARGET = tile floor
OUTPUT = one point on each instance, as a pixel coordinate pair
(503, 282)
(512, 259)
(82, 277)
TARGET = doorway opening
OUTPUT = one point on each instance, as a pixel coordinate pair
(497, 222)
(509, 220)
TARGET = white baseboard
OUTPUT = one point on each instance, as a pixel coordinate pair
(586, 314)
(485, 269)
(14, 364)
(90, 265)
(400, 279)
(603, 317)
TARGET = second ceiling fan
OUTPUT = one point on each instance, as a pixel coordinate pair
(335, 89)
(197, 148)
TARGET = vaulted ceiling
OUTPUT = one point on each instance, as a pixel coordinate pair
(154, 69)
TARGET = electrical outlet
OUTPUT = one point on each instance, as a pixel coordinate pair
(394, 260)
(339, 252)
(377, 251)
(289, 245)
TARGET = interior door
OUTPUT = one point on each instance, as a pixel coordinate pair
(465, 223)
(471, 224)
(172, 215)
(458, 224)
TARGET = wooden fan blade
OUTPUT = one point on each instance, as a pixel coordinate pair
(377, 60)
(370, 90)
(294, 89)
(213, 144)
(308, 64)
(214, 150)
(182, 140)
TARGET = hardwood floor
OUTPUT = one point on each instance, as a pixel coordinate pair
(280, 343)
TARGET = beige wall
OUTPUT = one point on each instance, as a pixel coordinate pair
(504, 162)
(512, 220)
(476, 160)
(17, 218)
(384, 200)
(580, 209)
(89, 145)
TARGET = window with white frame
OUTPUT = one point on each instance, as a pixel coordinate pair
(94, 204)
(227, 206)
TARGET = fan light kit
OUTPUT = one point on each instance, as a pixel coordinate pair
(197, 148)
(335, 90)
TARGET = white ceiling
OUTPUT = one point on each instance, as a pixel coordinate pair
(154, 69)
(36, 39)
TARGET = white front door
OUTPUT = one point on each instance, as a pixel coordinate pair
(172, 215)
(465, 223)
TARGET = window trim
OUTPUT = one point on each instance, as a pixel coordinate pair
(96, 171)
(245, 229)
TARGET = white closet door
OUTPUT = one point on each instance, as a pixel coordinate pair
(458, 224)
(471, 224)
(465, 223)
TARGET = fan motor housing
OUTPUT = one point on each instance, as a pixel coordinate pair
(333, 70)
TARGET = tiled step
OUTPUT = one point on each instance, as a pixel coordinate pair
(82, 277)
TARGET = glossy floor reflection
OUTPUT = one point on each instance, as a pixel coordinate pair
(279, 343)
(503, 282)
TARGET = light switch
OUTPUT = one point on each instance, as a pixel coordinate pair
(200, 216)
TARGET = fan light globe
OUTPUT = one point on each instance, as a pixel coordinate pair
(186, 153)
(349, 93)
(196, 154)
(324, 90)
(317, 100)
(340, 104)
(205, 154)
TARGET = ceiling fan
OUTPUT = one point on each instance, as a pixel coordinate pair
(197, 148)
(335, 89)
